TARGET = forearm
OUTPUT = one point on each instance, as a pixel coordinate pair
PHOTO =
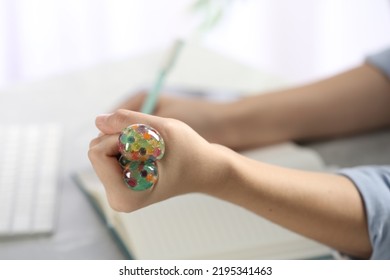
(354, 101)
(324, 207)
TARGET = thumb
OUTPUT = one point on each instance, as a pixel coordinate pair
(117, 121)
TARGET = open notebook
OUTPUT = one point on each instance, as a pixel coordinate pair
(197, 226)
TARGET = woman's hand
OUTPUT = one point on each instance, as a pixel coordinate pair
(324, 207)
(209, 119)
(190, 163)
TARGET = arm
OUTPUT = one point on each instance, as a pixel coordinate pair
(327, 208)
(351, 102)
(324, 207)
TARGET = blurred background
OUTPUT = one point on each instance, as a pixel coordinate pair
(99, 50)
(300, 40)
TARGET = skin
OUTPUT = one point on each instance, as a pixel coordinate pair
(352, 102)
(324, 207)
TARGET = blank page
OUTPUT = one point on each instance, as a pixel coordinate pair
(196, 226)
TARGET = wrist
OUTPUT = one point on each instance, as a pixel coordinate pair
(224, 172)
(230, 119)
(258, 121)
(242, 123)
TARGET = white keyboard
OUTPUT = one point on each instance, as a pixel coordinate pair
(29, 163)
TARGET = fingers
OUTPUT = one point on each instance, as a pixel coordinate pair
(102, 154)
(134, 103)
(105, 144)
(116, 122)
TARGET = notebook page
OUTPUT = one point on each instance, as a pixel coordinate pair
(196, 226)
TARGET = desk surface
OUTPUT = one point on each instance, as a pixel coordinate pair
(75, 99)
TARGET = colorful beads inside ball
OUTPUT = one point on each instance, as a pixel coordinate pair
(141, 142)
(123, 161)
(140, 146)
(139, 175)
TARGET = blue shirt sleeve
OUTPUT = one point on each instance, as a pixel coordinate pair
(373, 183)
(381, 61)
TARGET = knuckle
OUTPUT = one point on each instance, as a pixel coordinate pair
(93, 153)
(172, 127)
(93, 142)
(169, 126)
(96, 149)
(120, 118)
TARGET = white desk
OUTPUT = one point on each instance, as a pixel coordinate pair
(74, 100)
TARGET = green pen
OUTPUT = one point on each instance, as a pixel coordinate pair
(151, 99)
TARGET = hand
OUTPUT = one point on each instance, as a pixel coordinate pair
(190, 163)
(209, 119)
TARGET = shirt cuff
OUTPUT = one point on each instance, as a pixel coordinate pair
(373, 184)
(381, 61)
